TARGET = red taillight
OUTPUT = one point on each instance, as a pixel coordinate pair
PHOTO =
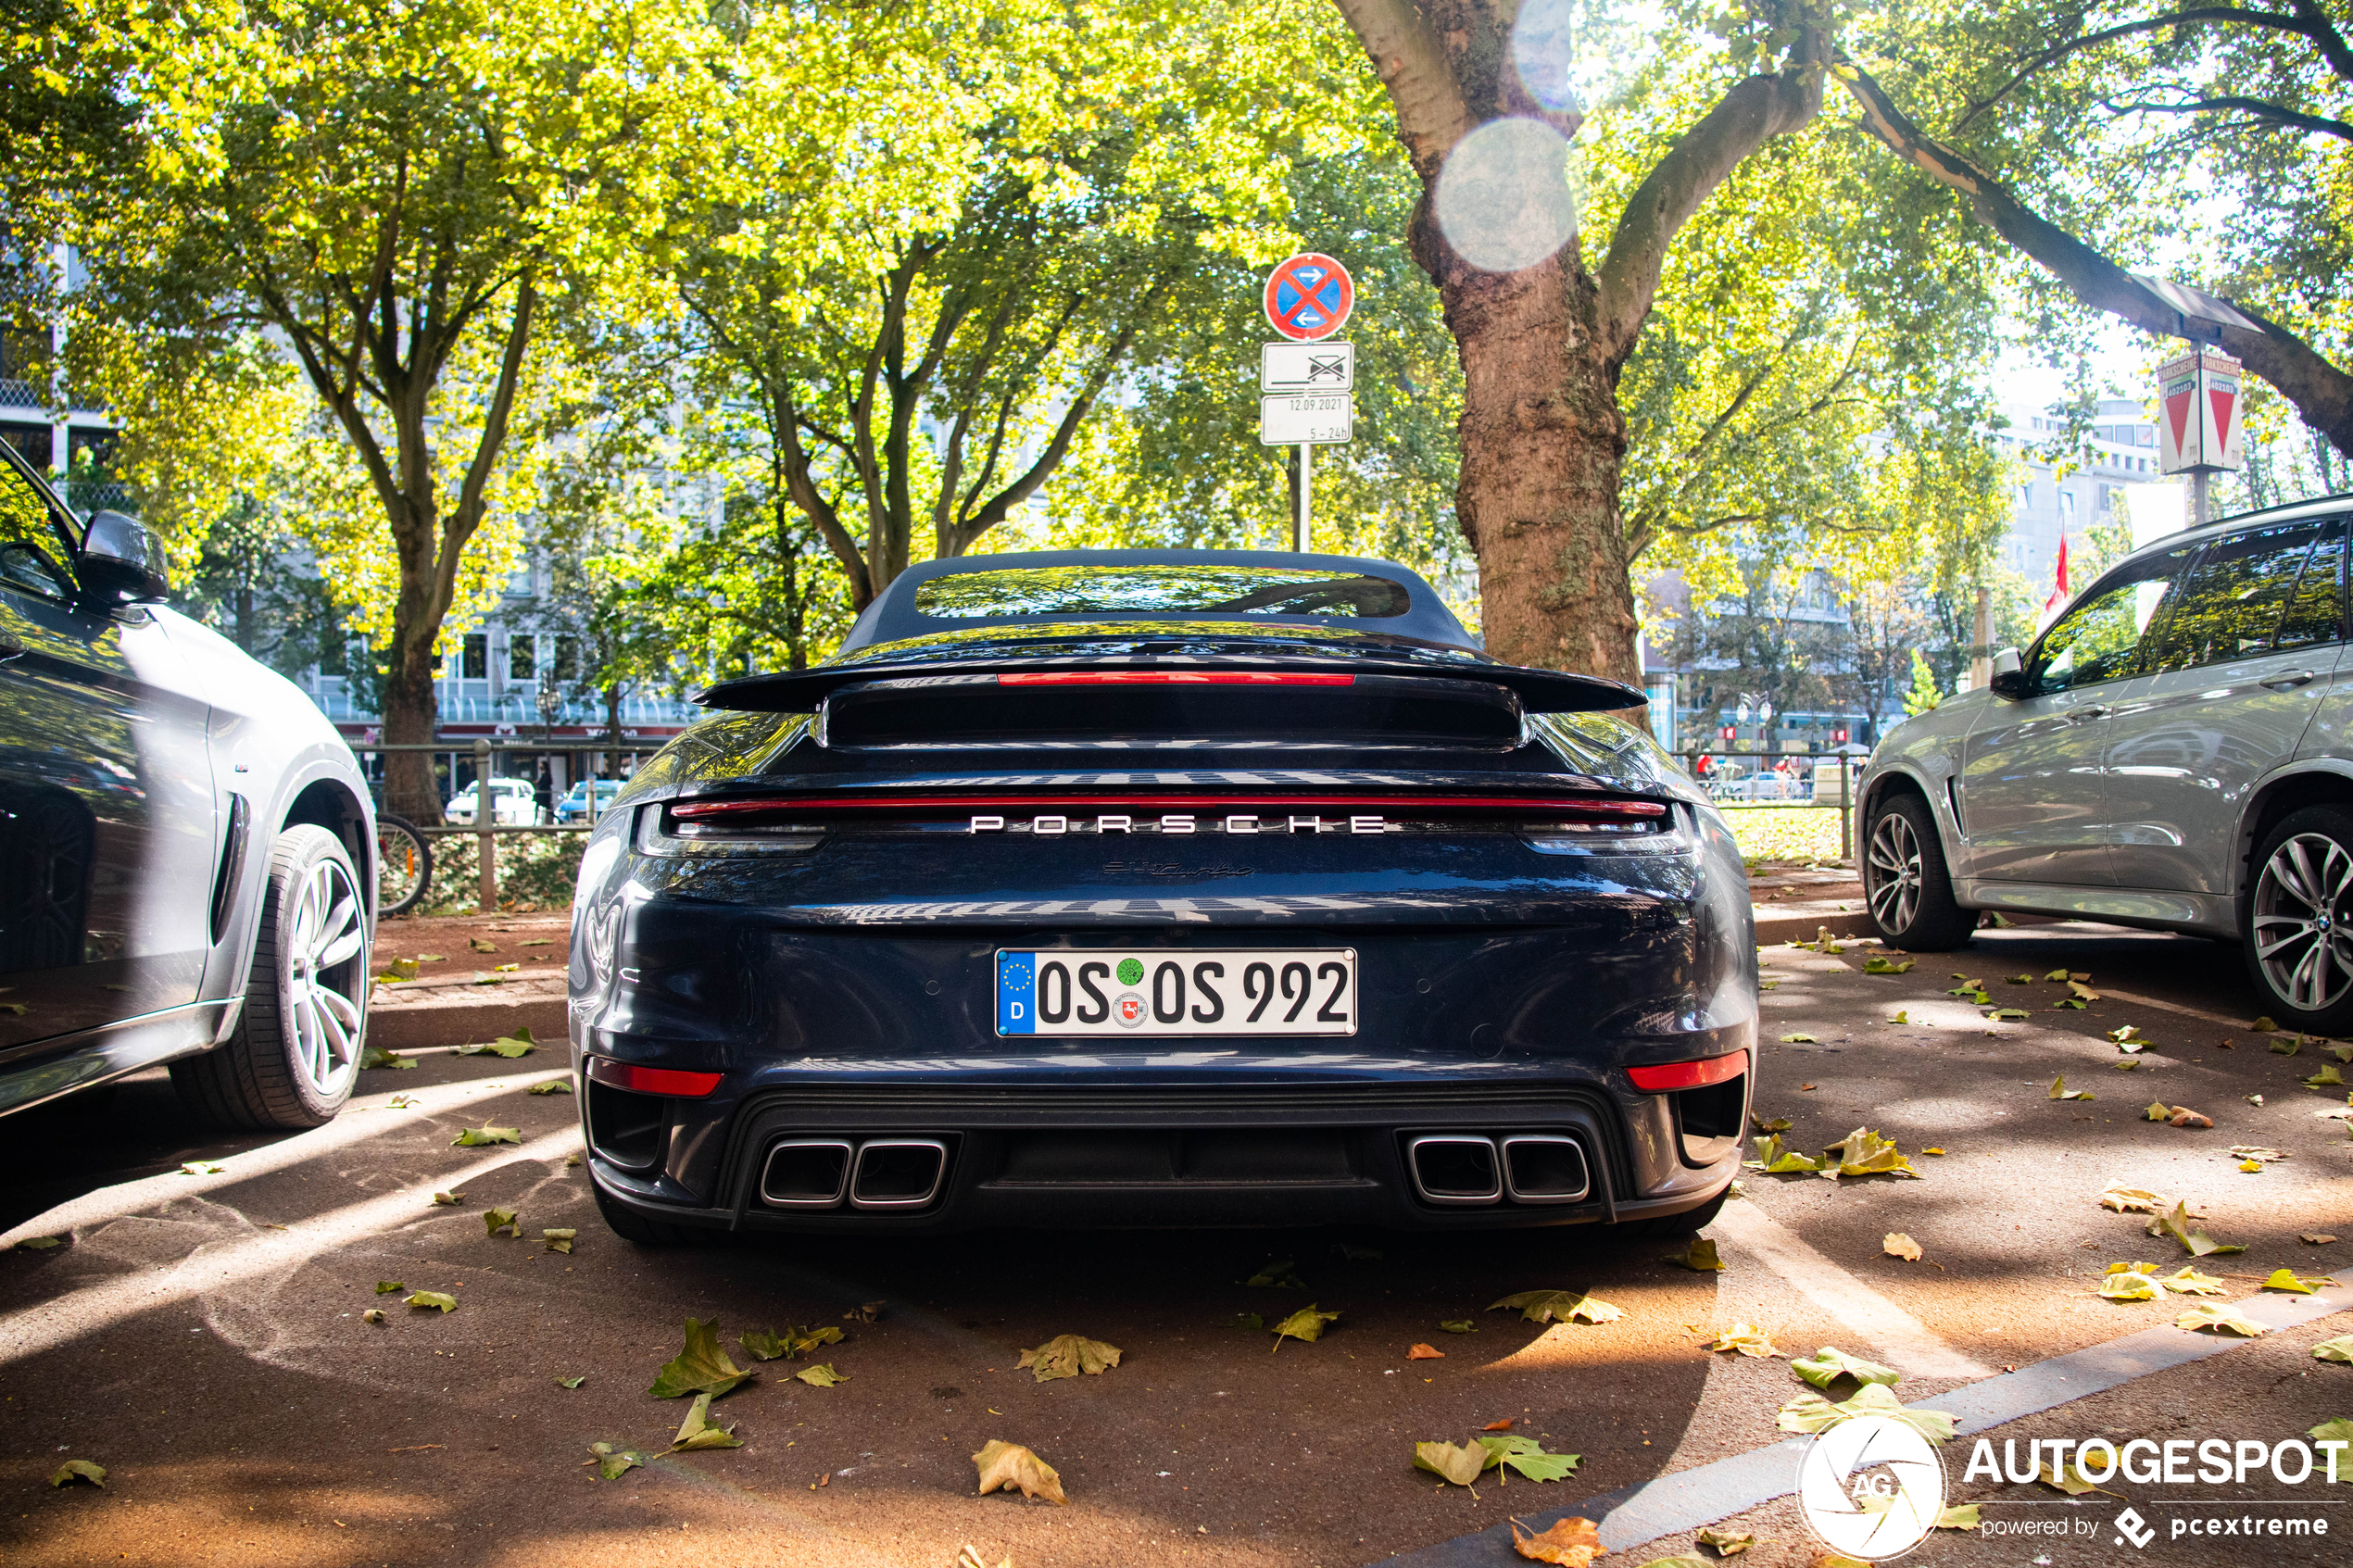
(652, 1080)
(1588, 809)
(1668, 1076)
(1172, 678)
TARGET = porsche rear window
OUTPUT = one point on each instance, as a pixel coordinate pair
(1157, 590)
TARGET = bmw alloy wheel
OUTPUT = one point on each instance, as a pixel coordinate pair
(2301, 936)
(1894, 859)
(325, 935)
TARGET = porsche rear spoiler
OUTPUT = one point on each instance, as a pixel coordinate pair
(800, 691)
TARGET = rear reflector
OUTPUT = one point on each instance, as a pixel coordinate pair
(1172, 678)
(1674, 1075)
(652, 1080)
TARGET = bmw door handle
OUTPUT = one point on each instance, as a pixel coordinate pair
(2288, 680)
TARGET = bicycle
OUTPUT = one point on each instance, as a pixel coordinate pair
(404, 865)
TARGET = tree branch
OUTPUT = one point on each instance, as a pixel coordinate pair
(2333, 47)
(2321, 392)
(1753, 111)
(2264, 113)
(1410, 59)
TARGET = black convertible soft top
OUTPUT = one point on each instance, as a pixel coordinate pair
(1167, 610)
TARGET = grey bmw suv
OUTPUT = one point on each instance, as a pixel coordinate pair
(2175, 752)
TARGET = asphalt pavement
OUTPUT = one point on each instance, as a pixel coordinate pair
(202, 1335)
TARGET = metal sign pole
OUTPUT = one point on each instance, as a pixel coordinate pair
(1306, 492)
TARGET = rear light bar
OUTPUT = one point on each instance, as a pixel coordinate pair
(1587, 807)
(1172, 678)
(638, 1080)
(1669, 1076)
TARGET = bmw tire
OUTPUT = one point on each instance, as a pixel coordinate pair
(2298, 921)
(295, 1054)
(1905, 885)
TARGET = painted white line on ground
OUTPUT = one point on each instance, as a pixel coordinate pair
(2241, 1024)
(214, 1268)
(1676, 1504)
(365, 1117)
(1909, 1344)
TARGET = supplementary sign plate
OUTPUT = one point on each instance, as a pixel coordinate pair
(1306, 367)
(1322, 420)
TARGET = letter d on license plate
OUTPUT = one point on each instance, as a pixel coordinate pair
(1155, 991)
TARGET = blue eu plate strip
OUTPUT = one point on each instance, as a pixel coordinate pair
(1016, 993)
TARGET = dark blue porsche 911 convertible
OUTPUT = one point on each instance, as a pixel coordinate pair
(1162, 887)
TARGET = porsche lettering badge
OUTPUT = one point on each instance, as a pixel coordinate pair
(1178, 825)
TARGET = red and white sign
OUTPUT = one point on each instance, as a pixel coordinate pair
(1309, 297)
(2197, 413)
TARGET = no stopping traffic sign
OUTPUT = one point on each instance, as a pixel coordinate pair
(1309, 297)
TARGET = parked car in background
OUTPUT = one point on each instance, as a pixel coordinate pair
(2175, 752)
(187, 845)
(514, 803)
(574, 807)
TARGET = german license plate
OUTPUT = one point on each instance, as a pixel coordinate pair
(1148, 991)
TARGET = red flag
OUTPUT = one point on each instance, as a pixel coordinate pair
(2058, 594)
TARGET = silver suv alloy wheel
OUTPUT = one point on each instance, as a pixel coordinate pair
(323, 937)
(2299, 924)
(1892, 872)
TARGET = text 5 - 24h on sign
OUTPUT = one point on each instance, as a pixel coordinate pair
(1321, 418)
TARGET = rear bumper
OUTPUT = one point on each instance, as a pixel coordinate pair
(1149, 1154)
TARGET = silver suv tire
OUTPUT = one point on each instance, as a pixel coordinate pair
(295, 1052)
(1906, 886)
(2298, 921)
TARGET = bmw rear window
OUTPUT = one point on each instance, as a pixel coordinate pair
(1009, 593)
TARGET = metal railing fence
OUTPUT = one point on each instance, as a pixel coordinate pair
(485, 829)
(1729, 771)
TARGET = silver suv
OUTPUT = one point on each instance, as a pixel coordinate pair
(2174, 752)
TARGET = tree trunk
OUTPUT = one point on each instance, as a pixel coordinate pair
(1542, 438)
(1542, 441)
(409, 711)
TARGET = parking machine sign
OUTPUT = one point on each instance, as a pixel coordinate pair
(1309, 297)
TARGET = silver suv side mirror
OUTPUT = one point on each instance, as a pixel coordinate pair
(121, 560)
(2009, 675)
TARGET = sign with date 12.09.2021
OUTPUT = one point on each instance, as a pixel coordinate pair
(1155, 991)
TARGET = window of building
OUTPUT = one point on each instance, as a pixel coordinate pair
(476, 662)
(522, 656)
(2066, 503)
(567, 659)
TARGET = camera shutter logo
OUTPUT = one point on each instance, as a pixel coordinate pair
(1871, 1487)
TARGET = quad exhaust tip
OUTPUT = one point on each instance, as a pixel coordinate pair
(871, 1173)
(1464, 1169)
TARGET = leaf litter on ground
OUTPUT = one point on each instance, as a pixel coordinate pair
(478, 1138)
(822, 1376)
(2060, 1091)
(1699, 1257)
(79, 1470)
(1829, 1363)
(1898, 1244)
(1012, 1467)
(1279, 1275)
(2221, 1317)
(1068, 1355)
(1748, 1340)
(699, 1431)
(439, 1300)
(2197, 1243)
(612, 1463)
(1564, 1306)
(1571, 1543)
(701, 1368)
(1307, 1323)
(497, 1220)
(790, 1345)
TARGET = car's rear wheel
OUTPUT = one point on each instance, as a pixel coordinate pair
(2299, 920)
(295, 1052)
(1905, 885)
